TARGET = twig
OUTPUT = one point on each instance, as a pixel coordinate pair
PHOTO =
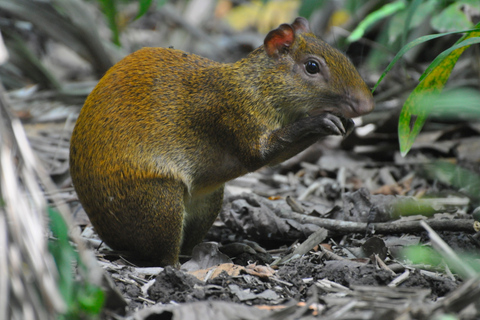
(383, 265)
(314, 239)
(398, 280)
(329, 255)
(463, 269)
(399, 226)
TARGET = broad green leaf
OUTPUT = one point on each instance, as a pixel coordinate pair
(409, 46)
(458, 104)
(375, 16)
(453, 175)
(453, 17)
(444, 54)
(419, 104)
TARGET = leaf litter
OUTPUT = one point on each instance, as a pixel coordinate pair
(343, 255)
(321, 234)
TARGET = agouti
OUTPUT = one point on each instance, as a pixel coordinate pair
(164, 130)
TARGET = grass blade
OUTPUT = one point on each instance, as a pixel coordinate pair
(409, 46)
(375, 16)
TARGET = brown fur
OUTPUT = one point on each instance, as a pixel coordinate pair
(164, 130)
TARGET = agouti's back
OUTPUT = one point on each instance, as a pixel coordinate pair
(164, 130)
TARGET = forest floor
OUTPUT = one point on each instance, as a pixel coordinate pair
(331, 238)
(337, 232)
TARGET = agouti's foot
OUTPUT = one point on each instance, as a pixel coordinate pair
(330, 124)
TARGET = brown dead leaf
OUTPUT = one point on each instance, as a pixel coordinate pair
(326, 246)
(263, 272)
(394, 190)
(213, 272)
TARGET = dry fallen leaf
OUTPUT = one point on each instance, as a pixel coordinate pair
(263, 272)
(213, 272)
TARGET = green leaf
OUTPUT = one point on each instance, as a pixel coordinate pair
(58, 226)
(460, 178)
(409, 46)
(91, 299)
(452, 17)
(81, 297)
(419, 104)
(444, 54)
(63, 255)
(109, 9)
(427, 255)
(143, 6)
(422, 255)
(375, 16)
(458, 104)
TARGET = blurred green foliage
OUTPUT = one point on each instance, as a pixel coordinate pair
(111, 12)
(426, 255)
(466, 181)
(420, 103)
(403, 17)
(83, 299)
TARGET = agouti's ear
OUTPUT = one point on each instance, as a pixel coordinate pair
(279, 40)
(300, 25)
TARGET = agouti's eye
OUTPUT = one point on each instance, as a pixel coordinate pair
(312, 67)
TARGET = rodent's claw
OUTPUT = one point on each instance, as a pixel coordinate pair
(349, 126)
(339, 128)
(332, 124)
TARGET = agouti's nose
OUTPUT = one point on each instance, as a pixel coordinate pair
(360, 102)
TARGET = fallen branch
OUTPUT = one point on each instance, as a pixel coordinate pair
(398, 226)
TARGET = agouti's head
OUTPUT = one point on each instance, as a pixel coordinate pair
(313, 76)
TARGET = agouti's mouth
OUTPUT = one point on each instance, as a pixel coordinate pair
(346, 110)
(315, 112)
(319, 111)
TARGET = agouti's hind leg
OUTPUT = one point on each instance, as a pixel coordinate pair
(200, 215)
(154, 220)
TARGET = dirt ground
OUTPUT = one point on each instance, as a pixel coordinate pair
(343, 251)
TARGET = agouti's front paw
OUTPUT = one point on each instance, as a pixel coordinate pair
(329, 124)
